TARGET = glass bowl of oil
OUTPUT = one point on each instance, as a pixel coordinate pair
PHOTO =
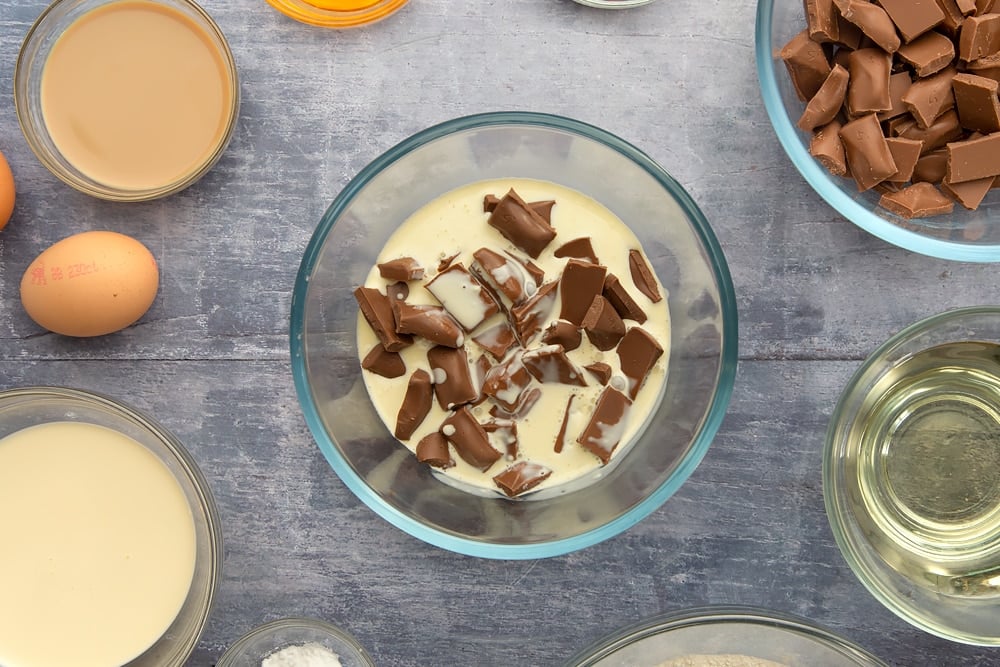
(911, 474)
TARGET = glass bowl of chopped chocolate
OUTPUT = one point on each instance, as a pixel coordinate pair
(890, 112)
(513, 335)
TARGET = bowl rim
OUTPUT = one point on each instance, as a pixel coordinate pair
(718, 614)
(710, 424)
(841, 519)
(305, 12)
(236, 649)
(181, 455)
(818, 177)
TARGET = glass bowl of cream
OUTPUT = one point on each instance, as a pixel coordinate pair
(296, 642)
(113, 542)
(610, 200)
(147, 126)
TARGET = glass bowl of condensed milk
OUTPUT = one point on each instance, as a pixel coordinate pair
(126, 100)
(112, 544)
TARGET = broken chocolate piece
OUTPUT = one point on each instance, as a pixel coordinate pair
(905, 153)
(977, 103)
(463, 296)
(623, 302)
(600, 370)
(929, 53)
(638, 353)
(931, 167)
(806, 63)
(452, 376)
(404, 268)
(417, 403)
(979, 37)
(430, 322)
(549, 363)
(527, 318)
(930, 97)
(867, 153)
(521, 477)
(561, 435)
(397, 291)
(469, 439)
(580, 248)
(607, 424)
(869, 76)
(433, 450)
(446, 261)
(642, 276)
(821, 17)
(377, 311)
(602, 324)
(382, 362)
(505, 383)
(506, 277)
(490, 203)
(873, 21)
(579, 284)
(969, 194)
(524, 405)
(543, 209)
(913, 19)
(828, 149)
(497, 340)
(562, 333)
(973, 159)
(520, 225)
(826, 103)
(502, 434)
(967, 7)
(946, 128)
(953, 16)
(988, 67)
(920, 200)
(535, 271)
(899, 83)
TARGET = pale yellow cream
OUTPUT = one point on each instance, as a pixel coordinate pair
(98, 547)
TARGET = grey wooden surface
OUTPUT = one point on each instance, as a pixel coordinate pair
(210, 359)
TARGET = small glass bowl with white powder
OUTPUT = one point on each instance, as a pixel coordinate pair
(296, 642)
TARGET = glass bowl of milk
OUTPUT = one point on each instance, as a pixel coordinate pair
(126, 101)
(610, 197)
(113, 543)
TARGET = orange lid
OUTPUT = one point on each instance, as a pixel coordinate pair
(337, 13)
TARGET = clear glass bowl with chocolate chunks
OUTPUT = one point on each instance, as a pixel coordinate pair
(890, 112)
(333, 307)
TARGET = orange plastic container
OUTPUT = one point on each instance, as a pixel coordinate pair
(337, 13)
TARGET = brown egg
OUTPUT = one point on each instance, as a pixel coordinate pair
(90, 284)
(6, 192)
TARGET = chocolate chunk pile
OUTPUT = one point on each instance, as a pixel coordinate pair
(901, 95)
(493, 344)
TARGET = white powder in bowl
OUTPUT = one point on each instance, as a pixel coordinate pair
(302, 655)
(719, 661)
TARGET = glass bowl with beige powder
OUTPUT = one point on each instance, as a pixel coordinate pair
(723, 636)
(126, 100)
(606, 192)
(296, 642)
(113, 543)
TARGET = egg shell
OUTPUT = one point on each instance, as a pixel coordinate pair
(90, 284)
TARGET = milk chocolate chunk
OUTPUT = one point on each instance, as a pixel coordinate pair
(905, 153)
(469, 439)
(463, 296)
(869, 75)
(873, 21)
(867, 153)
(520, 225)
(417, 403)
(497, 340)
(543, 209)
(986, 7)
(549, 363)
(928, 98)
(979, 36)
(920, 200)
(579, 284)
(826, 103)
(899, 83)
(967, 7)
(607, 424)
(397, 291)
(977, 103)
(929, 53)
(452, 376)
(806, 63)
(535, 271)
(821, 17)
(988, 67)
(580, 248)
(382, 362)
(600, 370)
(931, 167)
(446, 261)
(528, 317)
(433, 450)
(521, 477)
(404, 268)
(602, 324)
(828, 149)
(506, 276)
(490, 203)
(561, 435)
(525, 403)
(623, 302)
(430, 322)
(913, 19)
(642, 275)
(638, 353)
(506, 382)
(946, 128)
(502, 434)
(377, 311)
(969, 194)
(953, 16)
(562, 333)
(851, 36)
(973, 159)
